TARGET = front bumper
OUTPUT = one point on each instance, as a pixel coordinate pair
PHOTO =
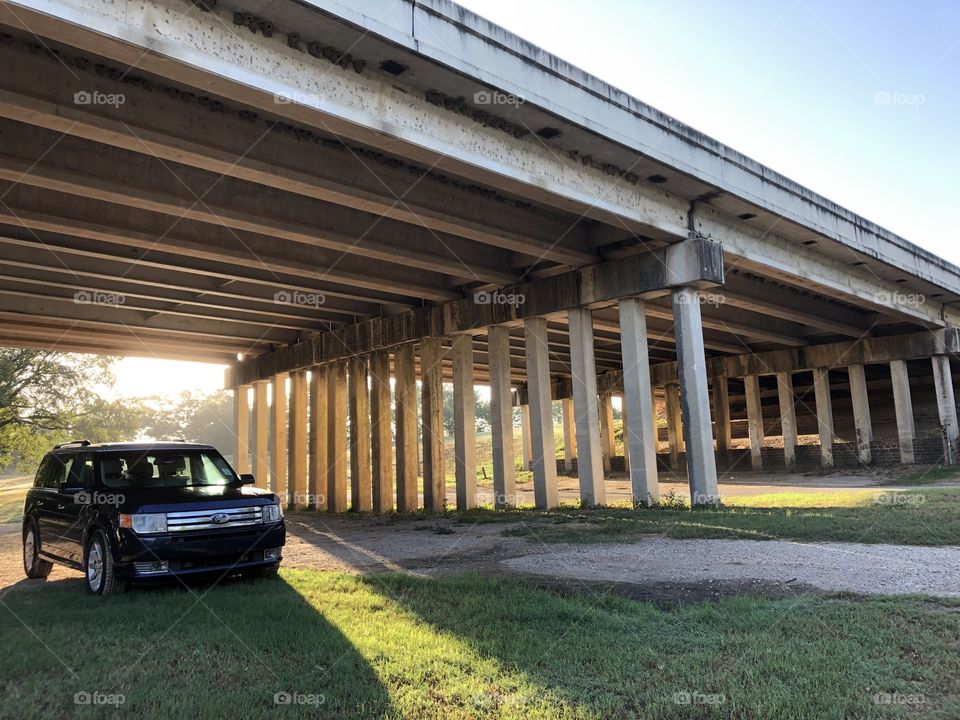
(214, 551)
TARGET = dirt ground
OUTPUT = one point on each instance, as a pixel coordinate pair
(655, 568)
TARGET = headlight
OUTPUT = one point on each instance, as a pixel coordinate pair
(272, 513)
(142, 523)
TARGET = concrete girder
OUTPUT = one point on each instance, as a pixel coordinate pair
(307, 222)
(235, 148)
(372, 109)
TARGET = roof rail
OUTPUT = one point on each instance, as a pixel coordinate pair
(78, 443)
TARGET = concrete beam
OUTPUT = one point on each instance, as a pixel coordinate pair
(821, 389)
(501, 419)
(861, 411)
(788, 419)
(431, 402)
(241, 429)
(545, 489)
(464, 422)
(297, 495)
(751, 385)
(586, 408)
(674, 424)
(405, 392)
(639, 440)
(569, 435)
(278, 460)
(947, 408)
(319, 459)
(606, 430)
(903, 406)
(361, 478)
(381, 432)
(695, 399)
(261, 434)
(337, 437)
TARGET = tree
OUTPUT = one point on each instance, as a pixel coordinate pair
(196, 418)
(41, 395)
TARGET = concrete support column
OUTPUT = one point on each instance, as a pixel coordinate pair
(788, 420)
(361, 479)
(317, 476)
(861, 412)
(751, 386)
(674, 434)
(261, 434)
(947, 407)
(381, 432)
(405, 391)
(501, 418)
(821, 390)
(278, 465)
(903, 405)
(607, 444)
(545, 490)
(241, 429)
(695, 398)
(431, 401)
(297, 441)
(721, 414)
(526, 446)
(337, 437)
(464, 422)
(586, 407)
(638, 435)
(625, 428)
(569, 435)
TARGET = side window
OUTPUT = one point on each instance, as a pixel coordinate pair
(81, 471)
(43, 471)
(53, 471)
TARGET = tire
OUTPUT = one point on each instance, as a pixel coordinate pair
(98, 569)
(33, 565)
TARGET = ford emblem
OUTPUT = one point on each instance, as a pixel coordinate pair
(219, 518)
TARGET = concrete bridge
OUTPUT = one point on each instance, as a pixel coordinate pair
(343, 198)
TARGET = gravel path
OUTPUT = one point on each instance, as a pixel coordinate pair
(439, 547)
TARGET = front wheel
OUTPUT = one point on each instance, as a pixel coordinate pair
(98, 567)
(33, 565)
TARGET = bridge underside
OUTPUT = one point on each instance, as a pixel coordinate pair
(154, 205)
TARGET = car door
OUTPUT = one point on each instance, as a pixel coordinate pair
(53, 475)
(73, 507)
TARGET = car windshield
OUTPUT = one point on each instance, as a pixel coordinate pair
(165, 468)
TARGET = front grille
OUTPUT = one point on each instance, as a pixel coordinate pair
(187, 520)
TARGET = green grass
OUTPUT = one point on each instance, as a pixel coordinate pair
(408, 647)
(931, 517)
(928, 476)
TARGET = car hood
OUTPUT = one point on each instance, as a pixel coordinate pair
(191, 498)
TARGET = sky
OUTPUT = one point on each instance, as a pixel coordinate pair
(856, 100)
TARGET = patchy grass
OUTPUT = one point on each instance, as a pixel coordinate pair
(927, 476)
(931, 517)
(393, 646)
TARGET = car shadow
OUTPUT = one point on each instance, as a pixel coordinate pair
(232, 648)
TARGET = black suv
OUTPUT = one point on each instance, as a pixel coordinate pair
(147, 511)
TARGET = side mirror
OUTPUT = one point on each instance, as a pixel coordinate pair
(247, 479)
